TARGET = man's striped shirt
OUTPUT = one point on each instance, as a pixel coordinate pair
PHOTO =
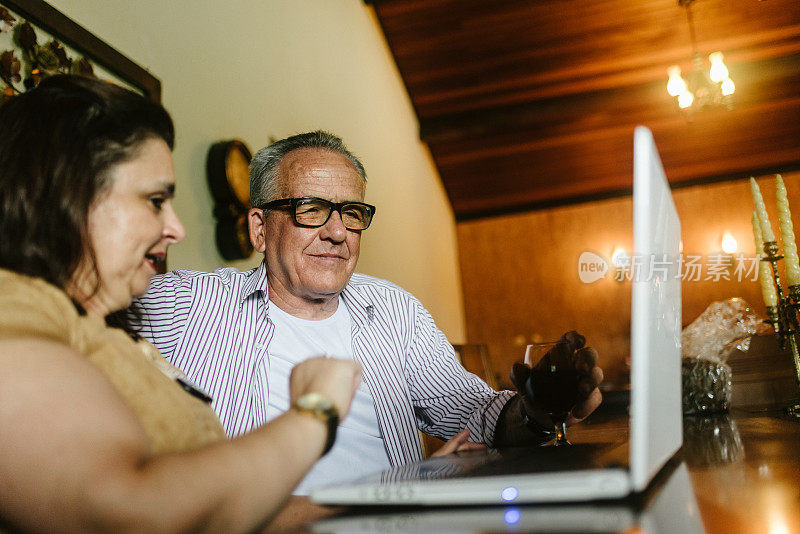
(216, 328)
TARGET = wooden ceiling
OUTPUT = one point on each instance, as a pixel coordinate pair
(532, 103)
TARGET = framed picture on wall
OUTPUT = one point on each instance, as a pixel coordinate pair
(36, 40)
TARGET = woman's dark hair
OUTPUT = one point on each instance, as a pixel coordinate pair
(57, 144)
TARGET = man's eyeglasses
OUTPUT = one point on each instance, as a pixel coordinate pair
(315, 212)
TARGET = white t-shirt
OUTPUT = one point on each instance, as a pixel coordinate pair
(359, 447)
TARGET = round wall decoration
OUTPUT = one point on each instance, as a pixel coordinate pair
(227, 169)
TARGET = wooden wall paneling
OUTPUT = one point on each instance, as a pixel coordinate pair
(520, 272)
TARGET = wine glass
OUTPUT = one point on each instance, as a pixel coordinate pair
(553, 383)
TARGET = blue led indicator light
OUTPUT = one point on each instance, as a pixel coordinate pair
(509, 494)
(512, 516)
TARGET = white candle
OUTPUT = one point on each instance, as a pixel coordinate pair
(787, 235)
(768, 290)
(761, 211)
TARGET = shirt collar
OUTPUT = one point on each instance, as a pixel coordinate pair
(255, 282)
(361, 308)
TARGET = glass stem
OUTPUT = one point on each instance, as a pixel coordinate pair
(561, 437)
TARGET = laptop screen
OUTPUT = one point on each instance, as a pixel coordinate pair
(656, 425)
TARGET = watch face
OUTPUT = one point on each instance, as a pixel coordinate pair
(237, 172)
(320, 407)
(315, 402)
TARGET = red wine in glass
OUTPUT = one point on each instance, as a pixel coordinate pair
(556, 391)
(553, 385)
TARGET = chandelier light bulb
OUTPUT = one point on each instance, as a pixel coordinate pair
(702, 88)
(719, 71)
(685, 99)
(676, 85)
(727, 87)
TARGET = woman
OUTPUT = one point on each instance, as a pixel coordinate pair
(96, 431)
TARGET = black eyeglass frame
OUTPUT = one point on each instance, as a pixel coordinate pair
(334, 206)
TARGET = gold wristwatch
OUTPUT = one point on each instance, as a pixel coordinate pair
(321, 407)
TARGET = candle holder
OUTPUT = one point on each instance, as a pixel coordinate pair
(784, 320)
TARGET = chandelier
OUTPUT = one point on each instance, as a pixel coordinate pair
(703, 87)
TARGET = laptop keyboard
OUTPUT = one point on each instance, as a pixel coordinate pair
(512, 461)
(578, 456)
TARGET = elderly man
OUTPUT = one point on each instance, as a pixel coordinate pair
(238, 334)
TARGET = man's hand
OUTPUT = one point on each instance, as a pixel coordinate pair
(569, 351)
(459, 443)
(523, 420)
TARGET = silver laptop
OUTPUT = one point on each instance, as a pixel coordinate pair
(579, 472)
(673, 508)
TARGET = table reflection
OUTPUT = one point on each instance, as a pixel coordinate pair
(711, 440)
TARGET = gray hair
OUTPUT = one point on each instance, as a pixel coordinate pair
(264, 165)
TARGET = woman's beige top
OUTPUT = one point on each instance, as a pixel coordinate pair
(173, 419)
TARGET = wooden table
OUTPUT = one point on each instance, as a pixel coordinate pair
(745, 471)
(737, 472)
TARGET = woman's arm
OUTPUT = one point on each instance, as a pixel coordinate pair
(74, 458)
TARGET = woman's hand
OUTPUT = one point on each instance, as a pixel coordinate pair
(336, 379)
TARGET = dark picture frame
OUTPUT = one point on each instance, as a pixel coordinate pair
(42, 15)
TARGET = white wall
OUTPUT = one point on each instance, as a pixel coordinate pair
(251, 69)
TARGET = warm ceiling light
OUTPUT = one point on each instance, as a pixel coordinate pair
(701, 87)
(685, 99)
(676, 85)
(718, 70)
(727, 87)
(729, 244)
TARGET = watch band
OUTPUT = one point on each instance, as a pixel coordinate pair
(320, 407)
(533, 425)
